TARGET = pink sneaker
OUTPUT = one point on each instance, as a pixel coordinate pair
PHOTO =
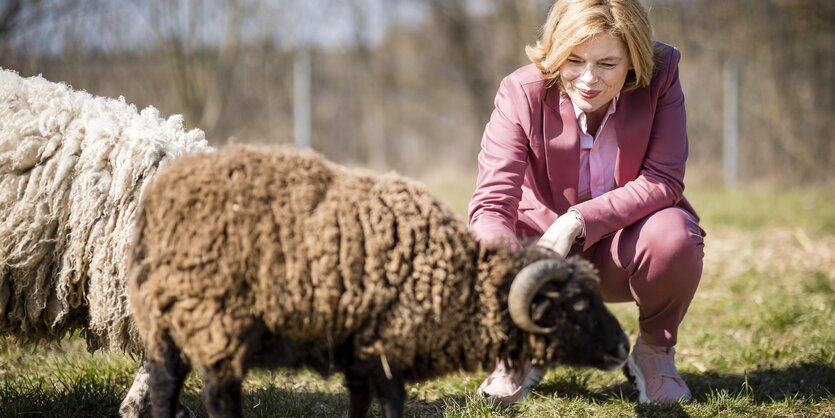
(654, 371)
(506, 387)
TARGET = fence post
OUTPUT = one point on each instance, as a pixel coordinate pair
(730, 106)
(301, 97)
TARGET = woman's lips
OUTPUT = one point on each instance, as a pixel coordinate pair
(588, 94)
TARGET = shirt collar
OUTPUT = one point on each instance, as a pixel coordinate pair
(613, 106)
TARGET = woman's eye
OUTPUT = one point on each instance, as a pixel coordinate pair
(607, 66)
(574, 61)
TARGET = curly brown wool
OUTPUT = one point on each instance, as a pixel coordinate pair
(261, 256)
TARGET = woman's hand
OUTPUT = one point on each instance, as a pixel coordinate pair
(562, 233)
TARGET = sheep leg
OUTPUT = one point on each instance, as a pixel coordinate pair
(222, 396)
(136, 401)
(387, 385)
(360, 393)
(391, 393)
(167, 377)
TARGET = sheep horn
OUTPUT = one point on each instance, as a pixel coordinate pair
(525, 286)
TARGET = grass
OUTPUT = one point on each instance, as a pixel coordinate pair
(758, 341)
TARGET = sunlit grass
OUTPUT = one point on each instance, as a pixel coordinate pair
(758, 340)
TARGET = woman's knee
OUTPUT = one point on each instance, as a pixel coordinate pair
(672, 236)
(668, 267)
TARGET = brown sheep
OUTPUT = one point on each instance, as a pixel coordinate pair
(258, 257)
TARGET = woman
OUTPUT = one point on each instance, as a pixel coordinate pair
(585, 151)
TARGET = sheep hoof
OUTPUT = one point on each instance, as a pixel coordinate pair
(185, 412)
(136, 401)
(130, 410)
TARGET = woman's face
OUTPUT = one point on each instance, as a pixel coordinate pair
(595, 72)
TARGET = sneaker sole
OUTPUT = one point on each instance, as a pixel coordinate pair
(504, 401)
(632, 371)
(534, 377)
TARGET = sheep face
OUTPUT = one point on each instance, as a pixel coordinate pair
(564, 315)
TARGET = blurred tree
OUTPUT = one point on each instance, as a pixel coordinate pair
(466, 52)
(18, 17)
(486, 45)
(202, 72)
(9, 14)
(785, 50)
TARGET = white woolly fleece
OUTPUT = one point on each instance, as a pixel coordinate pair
(72, 168)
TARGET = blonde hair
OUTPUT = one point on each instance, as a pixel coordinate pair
(572, 22)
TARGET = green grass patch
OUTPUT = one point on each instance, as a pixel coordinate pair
(810, 209)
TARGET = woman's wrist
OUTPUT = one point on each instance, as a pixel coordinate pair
(580, 225)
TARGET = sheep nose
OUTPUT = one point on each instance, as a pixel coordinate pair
(618, 357)
(623, 350)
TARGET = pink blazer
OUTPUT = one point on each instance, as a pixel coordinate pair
(529, 159)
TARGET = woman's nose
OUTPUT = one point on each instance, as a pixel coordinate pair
(588, 76)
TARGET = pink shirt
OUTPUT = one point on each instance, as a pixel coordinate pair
(597, 155)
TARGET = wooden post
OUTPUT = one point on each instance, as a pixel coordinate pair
(301, 97)
(731, 124)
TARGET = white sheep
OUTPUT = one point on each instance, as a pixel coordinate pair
(72, 169)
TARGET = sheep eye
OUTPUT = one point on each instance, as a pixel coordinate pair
(581, 305)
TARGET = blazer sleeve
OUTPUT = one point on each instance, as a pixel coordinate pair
(502, 162)
(660, 181)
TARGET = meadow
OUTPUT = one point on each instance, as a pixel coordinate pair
(758, 341)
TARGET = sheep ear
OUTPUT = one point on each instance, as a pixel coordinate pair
(552, 294)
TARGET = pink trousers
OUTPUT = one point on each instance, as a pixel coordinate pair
(657, 262)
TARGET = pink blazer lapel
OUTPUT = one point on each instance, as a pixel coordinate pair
(562, 140)
(632, 139)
